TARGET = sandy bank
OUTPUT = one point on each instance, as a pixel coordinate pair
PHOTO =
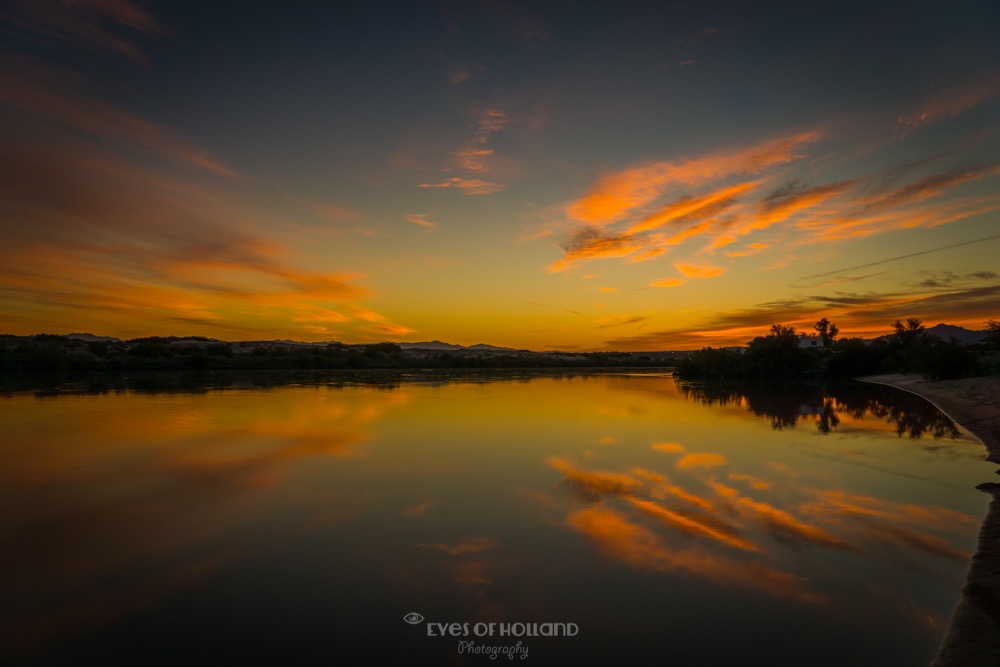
(973, 636)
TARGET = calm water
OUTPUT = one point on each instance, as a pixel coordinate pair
(660, 524)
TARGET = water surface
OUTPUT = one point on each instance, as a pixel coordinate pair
(660, 523)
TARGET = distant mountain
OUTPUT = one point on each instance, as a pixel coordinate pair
(91, 338)
(494, 348)
(948, 331)
(449, 347)
(432, 345)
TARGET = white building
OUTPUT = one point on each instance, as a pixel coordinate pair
(808, 340)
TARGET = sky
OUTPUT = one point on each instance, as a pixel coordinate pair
(546, 175)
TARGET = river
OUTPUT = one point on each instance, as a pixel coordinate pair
(436, 518)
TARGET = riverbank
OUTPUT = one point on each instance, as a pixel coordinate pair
(973, 636)
(974, 403)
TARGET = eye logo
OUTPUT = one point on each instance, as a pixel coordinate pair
(413, 618)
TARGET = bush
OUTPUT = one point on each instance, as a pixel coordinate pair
(940, 360)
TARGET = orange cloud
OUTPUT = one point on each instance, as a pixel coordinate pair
(647, 255)
(784, 204)
(469, 186)
(669, 447)
(614, 195)
(667, 282)
(720, 242)
(752, 249)
(704, 271)
(683, 235)
(838, 228)
(689, 208)
(596, 246)
(192, 264)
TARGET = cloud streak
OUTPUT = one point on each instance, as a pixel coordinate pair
(614, 195)
(953, 101)
(100, 25)
(639, 213)
(468, 186)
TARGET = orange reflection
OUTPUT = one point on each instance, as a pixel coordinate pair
(597, 484)
(690, 526)
(113, 487)
(639, 547)
(701, 460)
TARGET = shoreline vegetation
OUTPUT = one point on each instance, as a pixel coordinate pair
(908, 348)
(974, 403)
(50, 352)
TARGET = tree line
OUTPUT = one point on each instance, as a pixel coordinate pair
(50, 352)
(907, 348)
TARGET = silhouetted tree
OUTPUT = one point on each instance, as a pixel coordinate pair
(993, 333)
(827, 331)
(781, 331)
(778, 354)
(906, 335)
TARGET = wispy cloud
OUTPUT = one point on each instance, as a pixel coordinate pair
(952, 101)
(592, 244)
(101, 25)
(95, 238)
(786, 202)
(858, 314)
(469, 186)
(636, 214)
(620, 321)
(458, 74)
(614, 195)
(667, 282)
(896, 258)
(421, 220)
(694, 208)
(473, 156)
(41, 92)
(702, 271)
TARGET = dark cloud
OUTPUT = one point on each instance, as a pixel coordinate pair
(795, 192)
(115, 26)
(928, 187)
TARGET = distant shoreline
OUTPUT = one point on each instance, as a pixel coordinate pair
(974, 403)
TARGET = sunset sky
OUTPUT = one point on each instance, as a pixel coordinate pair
(546, 175)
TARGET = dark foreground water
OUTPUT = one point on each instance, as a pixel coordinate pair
(440, 519)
